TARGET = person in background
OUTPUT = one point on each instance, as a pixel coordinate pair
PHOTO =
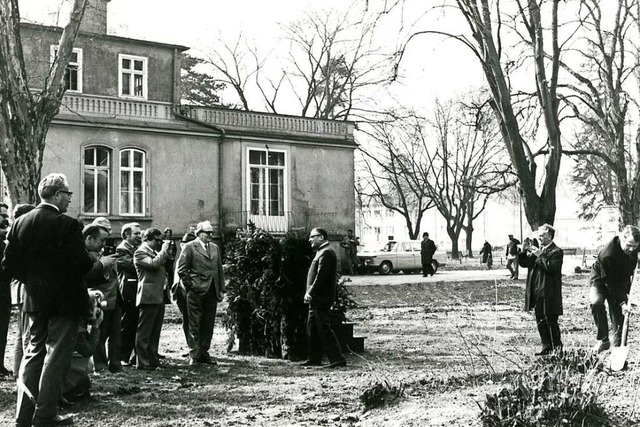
(512, 257)
(179, 293)
(17, 297)
(149, 260)
(544, 287)
(320, 295)
(5, 291)
(611, 282)
(200, 271)
(46, 252)
(350, 244)
(128, 289)
(487, 257)
(107, 283)
(427, 249)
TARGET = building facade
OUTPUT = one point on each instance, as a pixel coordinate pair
(133, 153)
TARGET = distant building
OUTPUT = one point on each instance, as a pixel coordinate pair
(132, 153)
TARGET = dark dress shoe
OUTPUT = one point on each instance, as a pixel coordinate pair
(311, 363)
(207, 360)
(114, 369)
(58, 420)
(161, 356)
(545, 351)
(337, 364)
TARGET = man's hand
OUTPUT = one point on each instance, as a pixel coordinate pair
(109, 261)
(165, 245)
(536, 251)
(307, 298)
(99, 318)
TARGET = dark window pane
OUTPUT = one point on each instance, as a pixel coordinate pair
(124, 192)
(89, 196)
(137, 181)
(126, 64)
(138, 159)
(126, 82)
(124, 158)
(103, 157)
(137, 203)
(257, 157)
(276, 159)
(138, 65)
(74, 57)
(103, 191)
(89, 158)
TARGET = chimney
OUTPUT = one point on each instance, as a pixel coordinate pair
(95, 17)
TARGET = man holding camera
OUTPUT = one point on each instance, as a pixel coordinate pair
(149, 260)
(106, 281)
(200, 270)
(46, 252)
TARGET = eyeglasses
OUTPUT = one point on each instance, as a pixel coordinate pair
(209, 233)
(312, 236)
(68, 193)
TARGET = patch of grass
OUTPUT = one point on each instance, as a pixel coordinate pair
(560, 390)
(381, 393)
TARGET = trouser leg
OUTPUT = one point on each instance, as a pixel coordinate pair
(114, 338)
(181, 302)
(195, 310)
(326, 337)
(209, 308)
(599, 313)
(548, 327)
(129, 326)
(154, 343)
(147, 313)
(5, 318)
(617, 319)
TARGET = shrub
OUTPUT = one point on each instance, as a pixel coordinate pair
(381, 393)
(267, 281)
(560, 390)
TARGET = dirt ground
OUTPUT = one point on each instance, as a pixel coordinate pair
(447, 342)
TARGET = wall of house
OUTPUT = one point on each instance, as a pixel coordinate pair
(100, 61)
(181, 176)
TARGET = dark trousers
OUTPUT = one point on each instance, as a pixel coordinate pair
(128, 328)
(148, 335)
(22, 341)
(512, 266)
(547, 327)
(600, 294)
(321, 336)
(109, 331)
(44, 365)
(427, 268)
(202, 315)
(181, 302)
(5, 317)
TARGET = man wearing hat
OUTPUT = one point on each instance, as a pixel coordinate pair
(200, 269)
(112, 312)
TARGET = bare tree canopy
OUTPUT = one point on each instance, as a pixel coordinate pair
(25, 115)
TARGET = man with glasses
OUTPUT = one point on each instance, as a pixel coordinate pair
(46, 252)
(128, 289)
(200, 271)
(149, 260)
(320, 295)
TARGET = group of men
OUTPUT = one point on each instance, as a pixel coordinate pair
(610, 282)
(63, 273)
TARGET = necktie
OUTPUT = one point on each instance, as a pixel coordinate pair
(208, 250)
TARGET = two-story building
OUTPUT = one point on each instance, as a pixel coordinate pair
(133, 153)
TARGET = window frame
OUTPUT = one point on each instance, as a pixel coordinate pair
(132, 169)
(53, 50)
(96, 168)
(144, 73)
(267, 167)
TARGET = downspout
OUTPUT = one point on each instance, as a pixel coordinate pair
(177, 112)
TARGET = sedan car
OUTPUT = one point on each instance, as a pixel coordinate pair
(396, 256)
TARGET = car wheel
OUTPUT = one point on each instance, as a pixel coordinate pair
(434, 265)
(385, 268)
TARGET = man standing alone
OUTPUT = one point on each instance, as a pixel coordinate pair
(320, 295)
(611, 281)
(427, 249)
(512, 256)
(200, 269)
(544, 287)
(46, 252)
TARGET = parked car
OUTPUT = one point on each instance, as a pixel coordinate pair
(396, 256)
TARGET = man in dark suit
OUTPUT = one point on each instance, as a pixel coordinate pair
(611, 281)
(427, 249)
(544, 287)
(128, 288)
(149, 260)
(46, 252)
(5, 290)
(200, 271)
(320, 295)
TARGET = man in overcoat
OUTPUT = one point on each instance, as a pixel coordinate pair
(427, 249)
(200, 271)
(46, 252)
(544, 287)
(149, 260)
(320, 295)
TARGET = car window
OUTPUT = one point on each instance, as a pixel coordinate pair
(416, 246)
(406, 247)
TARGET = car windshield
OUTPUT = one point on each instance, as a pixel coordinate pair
(389, 246)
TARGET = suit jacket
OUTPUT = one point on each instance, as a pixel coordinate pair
(46, 252)
(152, 277)
(427, 249)
(198, 270)
(544, 279)
(322, 278)
(613, 269)
(127, 274)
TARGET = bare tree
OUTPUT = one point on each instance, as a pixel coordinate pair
(25, 115)
(391, 161)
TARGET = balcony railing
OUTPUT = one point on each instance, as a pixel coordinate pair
(92, 106)
(280, 223)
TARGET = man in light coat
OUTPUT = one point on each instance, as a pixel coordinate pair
(149, 261)
(200, 271)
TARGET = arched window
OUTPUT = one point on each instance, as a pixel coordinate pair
(97, 179)
(132, 181)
